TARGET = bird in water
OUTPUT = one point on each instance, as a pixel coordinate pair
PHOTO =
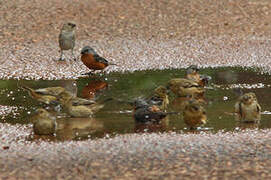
(41, 96)
(43, 122)
(194, 114)
(79, 107)
(184, 87)
(159, 98)
(144, 112)
(192, 73)
(247, 108)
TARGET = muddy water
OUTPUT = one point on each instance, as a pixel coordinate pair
(116, 117)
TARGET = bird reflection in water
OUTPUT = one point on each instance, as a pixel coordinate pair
(94, 86)
(151, 127)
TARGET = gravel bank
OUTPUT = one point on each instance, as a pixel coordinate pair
(242, 155)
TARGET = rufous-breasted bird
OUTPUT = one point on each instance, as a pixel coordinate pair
(184, 87)
(194, 114)
(43, 122)
(66, 39)
(92, 60)
(247, 108)
(46, 99)
(192, 73)
(159, 97)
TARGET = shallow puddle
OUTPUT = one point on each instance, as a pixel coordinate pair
(116, 117)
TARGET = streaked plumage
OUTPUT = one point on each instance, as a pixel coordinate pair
(247, 108)
(194, 114)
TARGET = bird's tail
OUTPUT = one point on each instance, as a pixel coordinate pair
(31, 91)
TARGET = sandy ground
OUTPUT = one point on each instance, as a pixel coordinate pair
(136, 35)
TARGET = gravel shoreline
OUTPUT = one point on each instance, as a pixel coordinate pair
(40, 61)
(232, 155)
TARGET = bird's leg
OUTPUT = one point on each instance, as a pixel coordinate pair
(88, 73)
(74, 58)
(61, 55)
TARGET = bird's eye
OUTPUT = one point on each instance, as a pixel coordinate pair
(195, 108)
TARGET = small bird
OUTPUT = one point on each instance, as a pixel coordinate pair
(78, 107)
(43, 122)
(185, 87)
(192, 73)
(194, 114)
(247, 108)
(144, 112)
(46, 99)
(64, 96)
(66, 39)
(159, 97)
(92, 60)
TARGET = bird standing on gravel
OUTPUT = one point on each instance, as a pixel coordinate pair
(92, 60)
(66, 39)
(247, 108)
(194, 114)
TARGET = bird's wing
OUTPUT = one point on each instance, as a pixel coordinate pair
(80, 101)
(259, 108)
(100, 59)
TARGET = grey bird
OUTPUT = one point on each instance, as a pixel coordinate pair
(66, 39)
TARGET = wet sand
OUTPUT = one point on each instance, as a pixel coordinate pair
(137, 35)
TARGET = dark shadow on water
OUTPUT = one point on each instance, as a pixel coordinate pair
(116, 117)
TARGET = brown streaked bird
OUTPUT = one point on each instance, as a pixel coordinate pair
(159, 98)
(43, 122)
(46, 99)
(145, 113)
(92, 60)
(78, 107)
(192, 73)
(64, 96)
(66, 39)
(247, 108)
(185, 88)
(194, 114)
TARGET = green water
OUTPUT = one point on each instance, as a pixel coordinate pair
(116, 117)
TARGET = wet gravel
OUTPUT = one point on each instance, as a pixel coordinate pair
(136, 35)
(242, 155)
